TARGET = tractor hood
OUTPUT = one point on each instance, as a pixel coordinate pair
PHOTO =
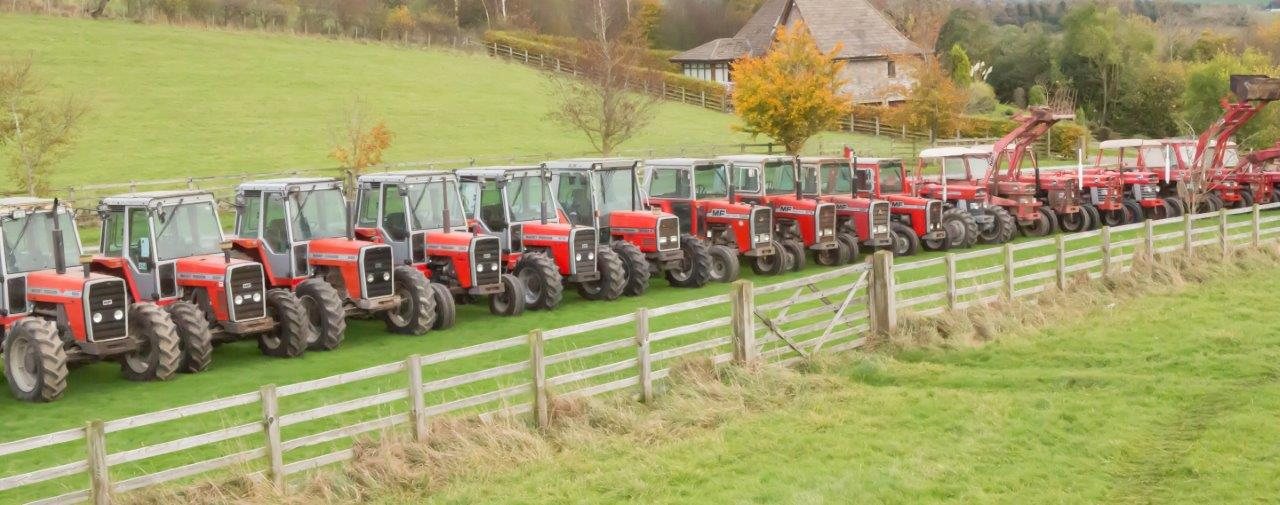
(790, 205)
(439, 242)
(335, 251)
(51, 286)
(206, 267)
(845, 203)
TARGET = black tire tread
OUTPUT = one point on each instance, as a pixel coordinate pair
(333, 321)
(53, 360)
(291, 323)
(154, 323)
(194, 337)
(636, 266)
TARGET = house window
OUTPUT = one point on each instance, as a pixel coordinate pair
(893, 68)
(700, 71)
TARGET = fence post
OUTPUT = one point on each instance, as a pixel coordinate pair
(1256, 236)
(1149, 241)
(643, 358)
(1186, 233)
(1061, 269)
(417, 404)
(704, 98)
(99, 474)
(1106, 251)
(538, 365)
(1008, 270)
(884, 306)
(1224, 241)
(743, 309)
(271, 429)
(950, 261)
(877, 126)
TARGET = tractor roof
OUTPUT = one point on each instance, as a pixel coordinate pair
(291, 184)
(592, 164)
(25, 204)
(682, 162)
(818, 160)
(1122, 143)
(755, 158)
(496, 172)
(874, 161)
(162, 197)
(953, 152)
(408, 177)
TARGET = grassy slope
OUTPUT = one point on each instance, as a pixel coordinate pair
(1167, 399)
(170, 101)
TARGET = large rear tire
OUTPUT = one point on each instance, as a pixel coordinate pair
(544, 288)
(772, 264)
(35, 364)
(1095, 217)
(1002, 230)
(1246, 198)
(290, 336)
(695, 267)
(194, 338)
(1135, 211)
(725, 266)
(1075, 222)
(1179, 206)
(905, 240)
(613, 277)
(417, 312)
(446, 307)
(636, 266)
(326, 317)
(159, 349)
(796, 250)
(510, 302)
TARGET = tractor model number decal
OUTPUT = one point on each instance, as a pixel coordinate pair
(449, 247)
(332, 256)
(199, 277)
(725, 214)
(792, 210)
(634, 231)
(548, 238)
(54, 292)
(901, 205)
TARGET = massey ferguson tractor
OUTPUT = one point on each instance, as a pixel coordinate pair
(299, 230)
(833, 180)
(801, 223)
(420, 215)
(1057, 192)
(698, 192)
(1137, 192)
(544, 251)
(886, 179)
(954, 175)
(169, 249)
(53, 317)
(604, 194)
(1258, 174)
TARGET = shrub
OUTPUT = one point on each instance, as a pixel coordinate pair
(1038, 95)
(982, 99)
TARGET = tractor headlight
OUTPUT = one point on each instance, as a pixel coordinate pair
(97, 317)
(591, 256)
(118, 314)
(369, 278)
(239, 300)
(763, 237)
(257, 297)
(493, 266)
(882, 229)
(386, 276)
(578, 257)
(480, 267)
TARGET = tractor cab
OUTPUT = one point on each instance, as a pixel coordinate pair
(832, 180)
(954, 175)
(886, 179)
(800, 222)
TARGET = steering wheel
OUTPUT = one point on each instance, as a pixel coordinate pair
(700, 189)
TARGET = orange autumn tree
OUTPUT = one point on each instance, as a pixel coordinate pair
(360, 140)
(791, 92)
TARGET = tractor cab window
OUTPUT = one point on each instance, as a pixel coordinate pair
(890, 177)
(250, 215)
(492, 209)
(1153, 156)
(275, 227)
(427, 203)
(779, 178)
(140, 239)
(669, 183)
(528, 195)
(617, 191)
(711, 181)
(470, 196)
(317, 214)
(979, 167)
(394, 215)
(574, 194)
(113, 234)
(747, 180)
(809, 176)
(955, 168)
(187, 229)
(28, 242)
(367, 213)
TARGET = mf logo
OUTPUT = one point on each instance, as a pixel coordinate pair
(107, 302)
(246, 285)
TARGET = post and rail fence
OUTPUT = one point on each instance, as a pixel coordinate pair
(280, 431)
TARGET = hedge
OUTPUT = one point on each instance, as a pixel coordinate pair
(1065, 139)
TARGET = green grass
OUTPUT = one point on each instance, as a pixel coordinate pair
(1162, 399)
(171, 102)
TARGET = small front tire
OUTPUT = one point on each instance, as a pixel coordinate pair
(510, 302)
(159, 348)
(290, 336)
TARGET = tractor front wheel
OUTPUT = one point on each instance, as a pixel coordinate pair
(416, 314)
(850, 242)
(796, 250)
(510, 302)
(159, 350)
(326, 317)
(1002, 229)
(905, 240)
(35, 364)
(1246, 198)
(1095, 217)
(695, 267)
(613, 277)
(636, 266)
(724, 264)
(195, 339)
(544, 288)
(290, 336)
(1075, 222)
(1179, 206)
(1135, 211)
(772, 264)
(1044, 224)
(446, 307)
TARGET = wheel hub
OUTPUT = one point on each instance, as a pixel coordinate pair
(22, 362)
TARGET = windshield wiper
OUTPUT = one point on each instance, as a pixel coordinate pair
(21, 232)
(167, 219)
(413, 209)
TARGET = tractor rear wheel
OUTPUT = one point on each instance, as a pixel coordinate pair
(724, 264)
(1246, 198)
(446, 307)
(417, 313)
(1095, 217)
(796, 250)
(1179, 206)
(195, 339)
(636, 265)
(905, 240)
(1135, 211)
(510, 302)
(326, 317)
(613, 277)
(159, 349)
(850, 242)
(290, 336)
(695, 267)
(1075, 222)
(544, 288)
(1002, 229)
(35, 364)
(772, 264)
(1209, 203)
(1045, 223)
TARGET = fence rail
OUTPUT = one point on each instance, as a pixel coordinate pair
(284, 430)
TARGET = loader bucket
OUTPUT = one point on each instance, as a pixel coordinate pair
(1255, 87)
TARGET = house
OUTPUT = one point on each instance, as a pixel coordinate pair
(869, 45)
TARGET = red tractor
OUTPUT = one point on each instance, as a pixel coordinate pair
(299, 229)
(847, 182)
(420, 215)
(544, 251)
(1258, 174)
(955, 175)
(1216, 189)
(169, 249)
(800, 223)
(604, 194)
(53, 317)
(1057, 193)
(699, 192)
(1134, 193)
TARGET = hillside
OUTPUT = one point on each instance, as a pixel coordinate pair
(173, 101)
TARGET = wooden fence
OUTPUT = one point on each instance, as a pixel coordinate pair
(279, 431)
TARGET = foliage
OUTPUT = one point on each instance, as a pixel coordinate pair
(1149, 103)
(644, 23)
(1210, 44)
(1037, 95)
(1208, 84)
(360, 140)
(981, 98)
(791, 92)
(1100, 44)
(934, 103)
(960, 66)
(1024, 56)
(400, 21)
(37, 130)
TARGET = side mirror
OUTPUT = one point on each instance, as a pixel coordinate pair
(239, 202)
(103, 211)
(402, 190)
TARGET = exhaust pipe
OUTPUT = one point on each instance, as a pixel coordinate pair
(59, 257)
(542, 172)
(349, 220)
(795, 175)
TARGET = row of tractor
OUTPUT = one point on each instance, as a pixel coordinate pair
(166, 285)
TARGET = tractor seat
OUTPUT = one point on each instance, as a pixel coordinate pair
(276, 234)
(395, 225)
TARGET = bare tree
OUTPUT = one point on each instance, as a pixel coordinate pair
(37, 130)
(608, 99)
(359, 140)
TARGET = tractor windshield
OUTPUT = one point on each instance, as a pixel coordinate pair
(187, 229)
(670, 183)
(526, 194)
(1153, 157)
(711, 181)
(891, 177)
(28, 242)
(318, 214)
(427, 203)
(955, 168)
(617, 191)
(779, 178)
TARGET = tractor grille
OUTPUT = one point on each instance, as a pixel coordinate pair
(584, 248)
(668, 233)
(826, 222)
(245, 281)
(761, 225)
(1145, 191)
(104, 299)
(486, 259)
(16, 291)
(933, 217)
(376, 264)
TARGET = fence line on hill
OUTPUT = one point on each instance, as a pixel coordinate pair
(280, 431)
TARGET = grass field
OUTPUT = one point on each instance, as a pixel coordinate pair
(173, 102)
(1162, 399)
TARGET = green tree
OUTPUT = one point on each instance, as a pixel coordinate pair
(1208, 83)
(960, 66)
(1038, 95)
(36, 129)
(934, 103)
(1099, 45)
